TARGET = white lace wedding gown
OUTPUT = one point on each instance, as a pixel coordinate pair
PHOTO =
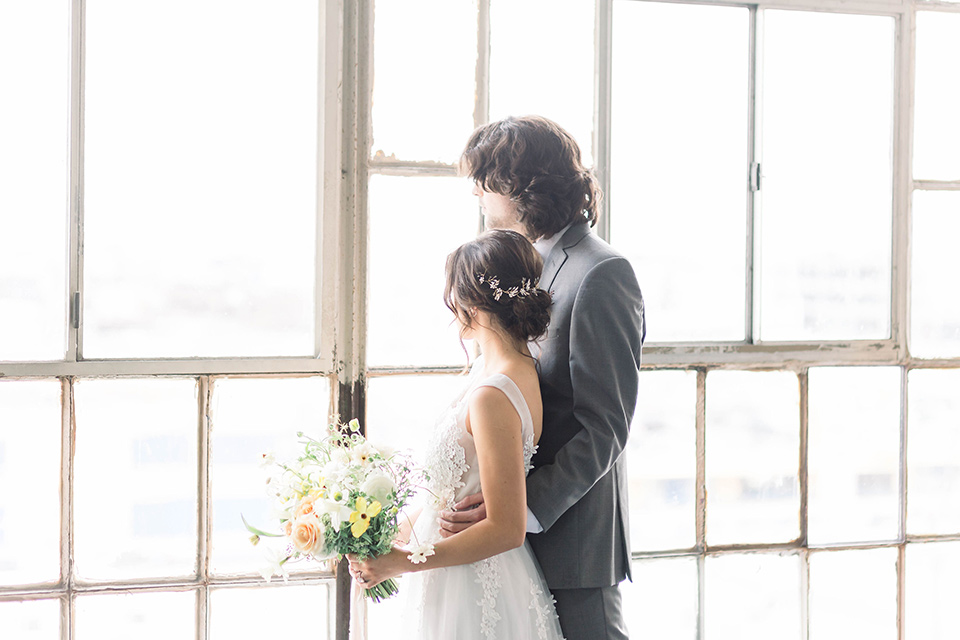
(503, 597)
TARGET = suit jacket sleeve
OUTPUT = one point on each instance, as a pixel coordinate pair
(606, 334)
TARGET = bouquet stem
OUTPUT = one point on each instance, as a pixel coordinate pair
(386, 589)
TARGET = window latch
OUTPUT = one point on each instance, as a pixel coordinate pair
(755, 175)
(75, 310)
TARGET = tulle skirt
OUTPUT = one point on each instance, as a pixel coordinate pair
(501, 597)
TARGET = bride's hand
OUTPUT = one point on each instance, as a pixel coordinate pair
(372, 571)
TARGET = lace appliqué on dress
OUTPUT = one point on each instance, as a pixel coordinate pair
(488, 575)
(446, 461)
(528, 450)
(541, 608)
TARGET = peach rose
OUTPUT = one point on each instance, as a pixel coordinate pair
(306, 506)
(307, 535)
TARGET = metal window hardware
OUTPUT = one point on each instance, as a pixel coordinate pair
(75, 310)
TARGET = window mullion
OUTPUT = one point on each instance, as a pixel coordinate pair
(75, 206)
(804, 593)
(330, 185)
(905, 59)
(701, 477)
(902, 487)
(351, 215)
(66, 508)
(603, 59)
(481, 109)
(204, 510)
(700, 504)
(753, 248)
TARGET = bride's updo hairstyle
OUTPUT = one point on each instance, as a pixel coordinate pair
(499, 273)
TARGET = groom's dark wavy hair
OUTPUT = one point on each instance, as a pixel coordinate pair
(537, 164)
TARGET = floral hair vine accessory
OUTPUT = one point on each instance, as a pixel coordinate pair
(524, 289)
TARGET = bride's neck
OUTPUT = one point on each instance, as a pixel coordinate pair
(498, 350)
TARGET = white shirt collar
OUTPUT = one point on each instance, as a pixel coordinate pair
(545, 245)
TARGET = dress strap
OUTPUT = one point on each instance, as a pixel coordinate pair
(513, 393)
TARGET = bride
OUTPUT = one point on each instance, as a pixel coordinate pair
(484, 582)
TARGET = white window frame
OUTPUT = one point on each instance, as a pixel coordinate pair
(345, 166)
(336, 352)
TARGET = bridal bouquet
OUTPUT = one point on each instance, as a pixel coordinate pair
(341, 495)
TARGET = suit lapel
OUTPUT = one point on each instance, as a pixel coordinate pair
(558, 256)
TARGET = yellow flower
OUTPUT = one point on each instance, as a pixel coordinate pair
(361, 517)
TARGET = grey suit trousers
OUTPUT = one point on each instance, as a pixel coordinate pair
(591, 614)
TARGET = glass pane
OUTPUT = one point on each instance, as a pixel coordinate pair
(936, 129)
(933, 590)
(854, 451)
(661, 602)
(30, 620)
(662, 456)
(827, 165)
(135, 496)
(145, 616)
(853, 590)
(253, 417)
(243, 613)
(425, 65)
(933, 452)
(753, 457)
(430, 217)
(34, 201)
(935, 313)
(753, 596)
(30, 429)
(541, 62)
(687, 244)
(402, 410)
(200, 178)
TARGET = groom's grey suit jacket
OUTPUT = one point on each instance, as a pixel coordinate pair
(589, 371)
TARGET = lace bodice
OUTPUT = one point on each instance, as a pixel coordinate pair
(451, 458)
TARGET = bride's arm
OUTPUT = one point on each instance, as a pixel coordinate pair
(496, 432)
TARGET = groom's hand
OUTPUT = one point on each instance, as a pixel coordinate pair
(465, 514)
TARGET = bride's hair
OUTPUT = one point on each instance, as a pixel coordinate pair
(499, 273)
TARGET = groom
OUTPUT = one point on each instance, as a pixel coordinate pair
(529, 178)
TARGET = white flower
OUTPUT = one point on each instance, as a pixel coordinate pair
(273, 486)
(340, 456)
(281, 512)
(275, 564)
(360, 454)
(378, 486)
(386, 450)
(268, 459)
(334, 471)
(338, 512)
(420, 554)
